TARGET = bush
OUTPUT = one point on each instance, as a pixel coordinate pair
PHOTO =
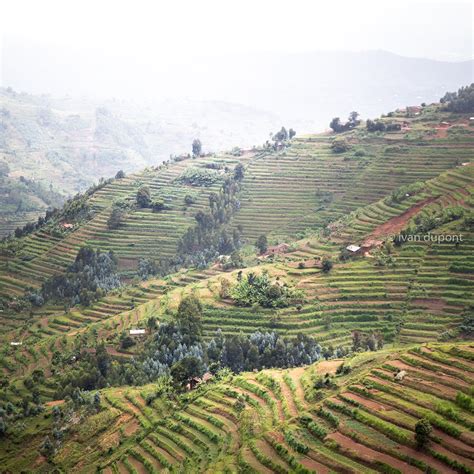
(339, 145)
(116, 219)
(158, 205)
(143, 197)
(259, 289)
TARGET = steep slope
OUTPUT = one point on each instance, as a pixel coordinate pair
(305, 186)
(62, 146)
(314, 419)
(394, 291)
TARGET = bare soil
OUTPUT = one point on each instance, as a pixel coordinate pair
(398, 223)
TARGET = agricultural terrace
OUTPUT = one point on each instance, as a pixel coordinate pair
(356, 415)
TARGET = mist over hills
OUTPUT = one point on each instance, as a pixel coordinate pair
(83, 116)
(305, 88)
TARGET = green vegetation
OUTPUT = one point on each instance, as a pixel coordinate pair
(180, 340)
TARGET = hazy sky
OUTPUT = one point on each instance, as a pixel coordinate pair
(89, 36)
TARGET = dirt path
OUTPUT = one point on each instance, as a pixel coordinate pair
(295, 375)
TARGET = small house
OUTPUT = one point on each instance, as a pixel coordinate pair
(67, 225)
(353, 248)
(414, 110)
(193, 383)
(206, 377)
(137, 332)
(15, 343)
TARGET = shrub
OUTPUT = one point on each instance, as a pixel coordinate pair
(423, 430)
(339, 145)
(143, 197)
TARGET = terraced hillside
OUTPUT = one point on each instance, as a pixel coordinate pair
(418, 292)
(286, 193)
(350, 412)
(414, 296)
(357, 415)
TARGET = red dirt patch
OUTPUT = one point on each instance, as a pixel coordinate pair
(433, 304)
(359, 451)
(328, 366)
(398, 223)
(131, 427)
(54, 403)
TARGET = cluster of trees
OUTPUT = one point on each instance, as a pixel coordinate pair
(461, 101)
(339, 145)
(367, 341)
(283, 135)
(116, 218)
(83, 369)
(177, 349)
(74, 210)
(262, 244)
(352, 122)
(210, 237)
(379, 126)
(259, 289)
(92, 274)
(201, 177)
(144, 200)
(403, 192)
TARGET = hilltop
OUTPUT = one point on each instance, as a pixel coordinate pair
(182, 237)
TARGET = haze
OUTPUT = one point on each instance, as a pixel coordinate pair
(155, 50)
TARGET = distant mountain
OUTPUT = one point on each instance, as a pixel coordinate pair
(306, 89)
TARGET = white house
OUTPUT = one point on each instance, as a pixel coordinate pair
(137, 332)
(353, 248)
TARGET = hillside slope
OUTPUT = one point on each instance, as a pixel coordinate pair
(62, 146)
(314, 419)
(387, 298)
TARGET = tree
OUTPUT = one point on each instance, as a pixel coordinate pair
(120, 175)
(188, 200)
(327, 265)
(353, 119)
(375, 126)
(158, 205)
(281, 136)
(291, 133)
(3, 428)
(186, 369)
(423, 430)
(189, 317)
(336, 125)
(103, 359)
(239, 172)
(116, 218)
(97, 401)
(47, 448)
(197, 147)
(262, 244)
(143, 197)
